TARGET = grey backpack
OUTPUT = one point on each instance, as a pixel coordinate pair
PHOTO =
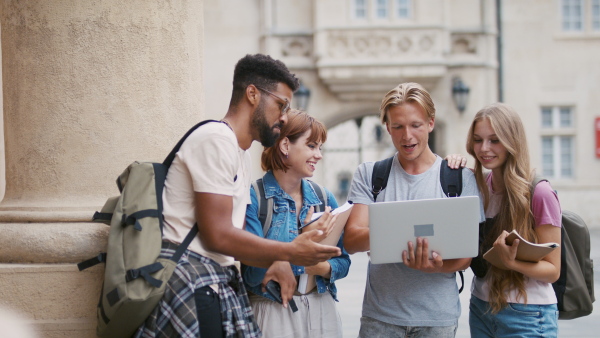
(134, 276)
(574, 288)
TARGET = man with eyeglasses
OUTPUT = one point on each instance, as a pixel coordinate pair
(209, 184)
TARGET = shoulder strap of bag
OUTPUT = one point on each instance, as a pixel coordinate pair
(265, 206)
(379, 178)
(451, 180)
(167, 163)
(321, 194)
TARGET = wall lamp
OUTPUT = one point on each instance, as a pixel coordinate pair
(460, 94)
(301, 97)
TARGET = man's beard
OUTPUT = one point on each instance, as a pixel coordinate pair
(267, 134)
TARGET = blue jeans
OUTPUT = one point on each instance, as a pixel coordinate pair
(515, 320)
(370, 327)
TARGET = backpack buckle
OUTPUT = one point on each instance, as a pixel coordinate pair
(132, 274)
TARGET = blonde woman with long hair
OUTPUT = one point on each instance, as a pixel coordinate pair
(520, 301)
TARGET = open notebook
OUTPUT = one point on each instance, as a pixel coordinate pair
(307, 282)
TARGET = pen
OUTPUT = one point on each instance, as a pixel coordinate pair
(314, 220)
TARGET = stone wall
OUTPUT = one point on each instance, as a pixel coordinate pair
(88, 87)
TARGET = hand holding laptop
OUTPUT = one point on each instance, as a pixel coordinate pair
(418, 258)
(451, 226)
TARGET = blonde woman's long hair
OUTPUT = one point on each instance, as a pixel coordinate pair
(515, 208)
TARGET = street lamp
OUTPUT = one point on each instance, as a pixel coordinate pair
(301, 96)
(460, 94)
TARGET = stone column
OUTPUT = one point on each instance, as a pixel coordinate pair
(88, 87)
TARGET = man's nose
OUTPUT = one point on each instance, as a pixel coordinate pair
(283, 119)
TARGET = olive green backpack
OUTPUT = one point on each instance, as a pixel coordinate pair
(574, 288)
(134, 275)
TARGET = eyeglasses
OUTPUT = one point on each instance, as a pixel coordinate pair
(286, 104)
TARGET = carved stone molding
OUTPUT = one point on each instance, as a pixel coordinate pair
(464, 43)
(296, 46)
(360, 64)
(295, 50)
(382, 43)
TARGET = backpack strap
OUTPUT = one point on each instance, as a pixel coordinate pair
(146, 271)
(321, 194)
(451, 180)
(379, 178)
(265, 206)
(92, 261)
(534, 183)
(102, 217)
(167, 162)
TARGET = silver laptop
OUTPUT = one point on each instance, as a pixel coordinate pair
(451, 226)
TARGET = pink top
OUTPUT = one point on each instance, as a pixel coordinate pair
(546, 210)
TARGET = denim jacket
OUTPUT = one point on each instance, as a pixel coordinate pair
(284, 228)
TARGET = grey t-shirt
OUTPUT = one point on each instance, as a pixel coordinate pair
(397, 294)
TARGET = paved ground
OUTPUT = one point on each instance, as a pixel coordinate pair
(351, 291)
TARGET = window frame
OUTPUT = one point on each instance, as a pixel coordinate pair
(555, 133)
(569, 20)
(397, 7)
(595, 15)
(354, 9)
(372, 9)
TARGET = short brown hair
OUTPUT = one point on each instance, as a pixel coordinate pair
(408, 92)
(298, 123)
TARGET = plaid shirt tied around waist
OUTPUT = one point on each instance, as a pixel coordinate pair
(176, 315)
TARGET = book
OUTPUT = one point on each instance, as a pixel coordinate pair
(307, 282)
(526, 251)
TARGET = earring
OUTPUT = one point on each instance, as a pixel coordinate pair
(286, 155)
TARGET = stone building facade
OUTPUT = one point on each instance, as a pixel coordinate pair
(538, 56)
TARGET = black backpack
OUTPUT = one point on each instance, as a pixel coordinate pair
(450, 179)
(265, 206)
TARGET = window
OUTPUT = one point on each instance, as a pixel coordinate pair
(572, 15)
(360, 9)
(558, 142)
(596, 15)
(403, 8)
(382, 9)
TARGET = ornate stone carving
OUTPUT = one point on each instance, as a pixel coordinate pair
(382, 43)
(464, 44)
(296, 46)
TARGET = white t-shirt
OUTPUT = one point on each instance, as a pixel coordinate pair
(210, 161)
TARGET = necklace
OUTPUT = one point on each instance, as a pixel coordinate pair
(227, 123)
